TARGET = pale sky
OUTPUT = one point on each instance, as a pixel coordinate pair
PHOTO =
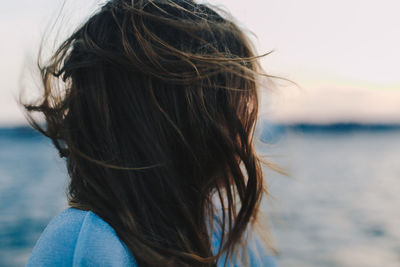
(345, 54)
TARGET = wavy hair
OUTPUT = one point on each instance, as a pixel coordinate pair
(153, 103)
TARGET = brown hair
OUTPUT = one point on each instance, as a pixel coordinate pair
(153, 104)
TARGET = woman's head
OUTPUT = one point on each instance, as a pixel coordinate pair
(155, 117)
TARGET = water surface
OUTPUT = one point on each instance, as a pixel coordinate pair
(340, 207)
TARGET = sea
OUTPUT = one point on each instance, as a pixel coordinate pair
(338, 204)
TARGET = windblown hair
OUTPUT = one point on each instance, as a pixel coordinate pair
(153, 103)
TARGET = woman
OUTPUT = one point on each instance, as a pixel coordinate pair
(153, 104)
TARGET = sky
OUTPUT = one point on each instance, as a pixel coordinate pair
(343, 54)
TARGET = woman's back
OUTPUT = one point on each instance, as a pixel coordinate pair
(81, 238)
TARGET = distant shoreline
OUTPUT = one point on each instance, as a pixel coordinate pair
(342, 126)
(26, 131)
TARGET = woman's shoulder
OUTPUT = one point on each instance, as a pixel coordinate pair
(79, 238)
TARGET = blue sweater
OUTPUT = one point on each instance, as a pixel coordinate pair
(81, 238)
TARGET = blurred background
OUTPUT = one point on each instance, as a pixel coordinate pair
(337, 133)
